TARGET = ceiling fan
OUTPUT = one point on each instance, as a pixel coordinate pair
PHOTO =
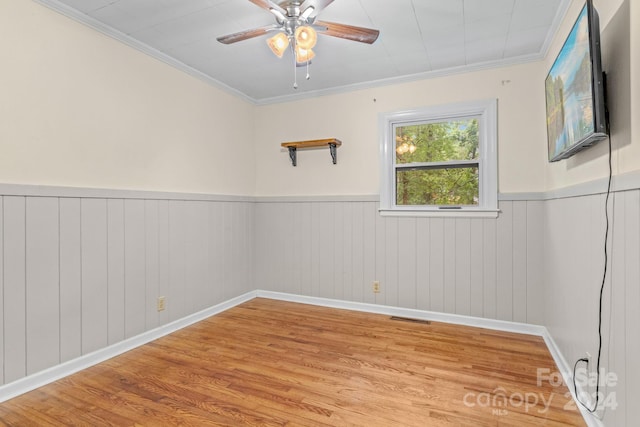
(296, 27)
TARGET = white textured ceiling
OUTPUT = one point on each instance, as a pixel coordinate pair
(418, 38)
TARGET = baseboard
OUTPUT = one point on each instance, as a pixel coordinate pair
(39, 379)
(456, 319)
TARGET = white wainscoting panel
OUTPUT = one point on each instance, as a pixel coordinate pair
(469, 266)
(42, 283)
(95, 308)
(115, 270)
(70, 280)
(535, 264)
(151, 262)
(14, 297)
(78, 274)
(135, 307)
(574, 260)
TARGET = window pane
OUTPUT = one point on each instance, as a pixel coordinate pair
(442, 187)
(437, 142)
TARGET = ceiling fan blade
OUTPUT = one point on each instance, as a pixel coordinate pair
(349, 32)
(247, 34)
(268, 5)
(317, 5)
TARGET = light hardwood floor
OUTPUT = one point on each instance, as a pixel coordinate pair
(276, 363)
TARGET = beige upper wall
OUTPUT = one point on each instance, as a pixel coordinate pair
(78, 108)
(620, 32)
(81, 109)
(353, 118)
(523, 166)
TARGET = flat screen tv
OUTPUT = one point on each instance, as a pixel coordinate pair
(575, 90)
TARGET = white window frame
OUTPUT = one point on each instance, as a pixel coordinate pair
(486, 111)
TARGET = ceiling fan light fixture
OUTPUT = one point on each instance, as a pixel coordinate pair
(304, 55)
(278, 44)
(296, 29)
(306, 37)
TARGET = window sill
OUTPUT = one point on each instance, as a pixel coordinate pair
(442, 213)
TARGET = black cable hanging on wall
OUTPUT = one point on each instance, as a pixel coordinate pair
(602, 284)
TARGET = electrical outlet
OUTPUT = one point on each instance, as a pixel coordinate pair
(376, 287)
(161, 304)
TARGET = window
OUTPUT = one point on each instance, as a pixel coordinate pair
(440, 161)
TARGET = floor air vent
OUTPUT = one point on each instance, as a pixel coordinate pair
(408, 319)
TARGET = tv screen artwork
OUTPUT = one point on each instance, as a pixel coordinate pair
(571, 121)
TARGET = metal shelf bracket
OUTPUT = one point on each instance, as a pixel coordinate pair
(292, 155)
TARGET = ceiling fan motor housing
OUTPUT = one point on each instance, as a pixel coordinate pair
(291, 15)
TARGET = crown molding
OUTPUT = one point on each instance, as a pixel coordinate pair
(524, 59)
(555, 26)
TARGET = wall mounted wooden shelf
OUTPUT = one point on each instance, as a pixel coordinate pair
(316, 143)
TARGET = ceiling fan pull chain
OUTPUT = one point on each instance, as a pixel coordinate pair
(308, 75)
(295, 74)
(295, 67)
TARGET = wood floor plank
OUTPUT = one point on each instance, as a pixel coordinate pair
(276, 363)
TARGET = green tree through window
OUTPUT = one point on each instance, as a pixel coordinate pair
(437, 163)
